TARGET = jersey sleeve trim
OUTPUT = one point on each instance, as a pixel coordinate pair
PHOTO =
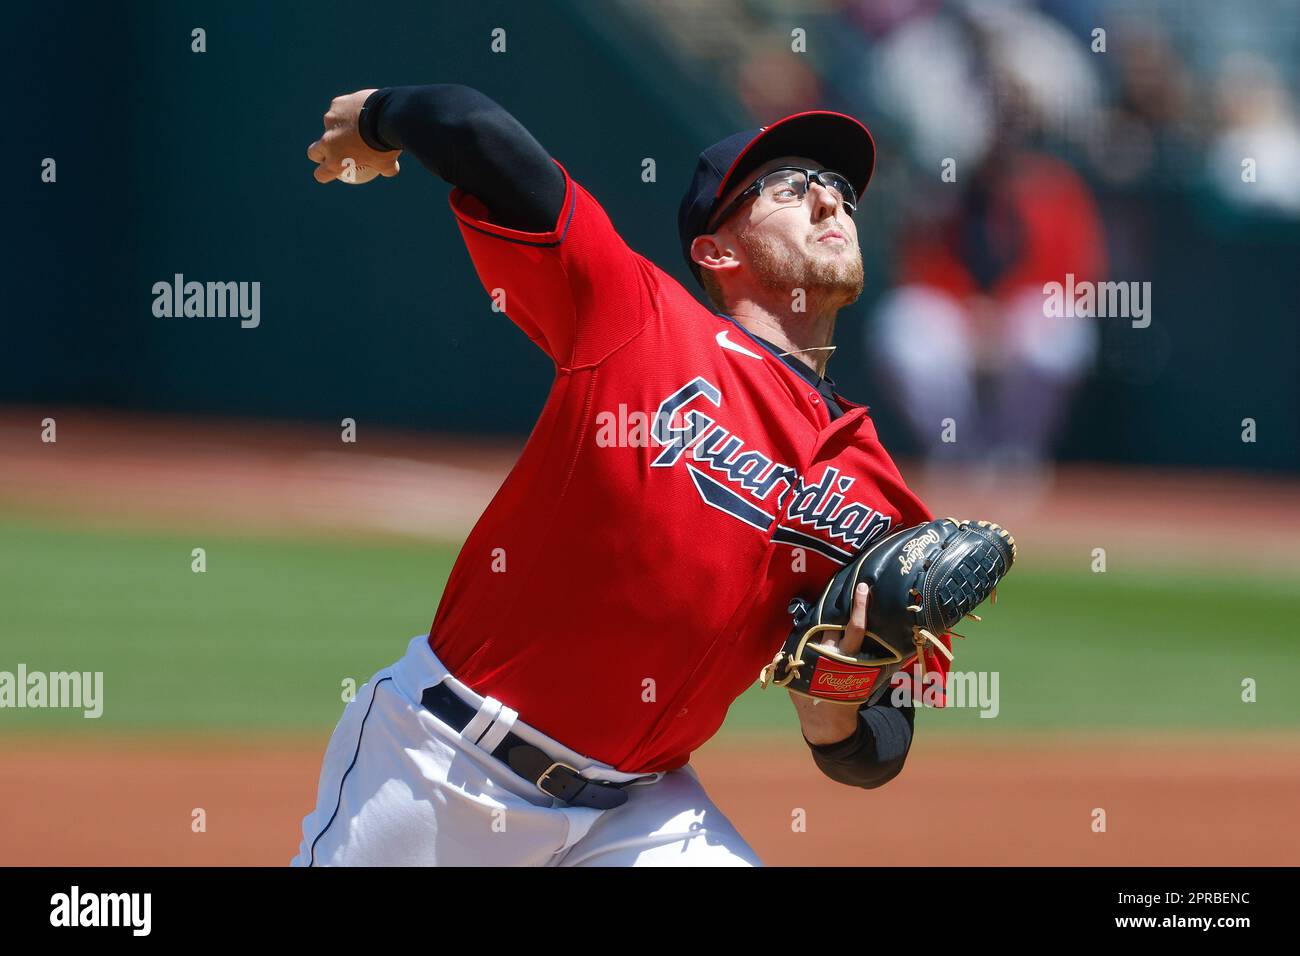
(471, 212)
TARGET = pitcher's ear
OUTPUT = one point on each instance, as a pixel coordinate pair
(710, 247)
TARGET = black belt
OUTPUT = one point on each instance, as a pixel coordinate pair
(553, 778)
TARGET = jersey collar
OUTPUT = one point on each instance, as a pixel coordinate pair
(825, 385)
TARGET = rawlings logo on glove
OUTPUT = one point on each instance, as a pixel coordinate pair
(915, 549)
(923, 580)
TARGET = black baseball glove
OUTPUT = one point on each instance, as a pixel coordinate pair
(923, 581)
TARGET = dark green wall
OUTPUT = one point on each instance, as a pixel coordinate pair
(171, 161)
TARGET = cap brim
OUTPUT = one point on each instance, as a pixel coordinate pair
(836, 141)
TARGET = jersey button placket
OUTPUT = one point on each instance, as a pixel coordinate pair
(850, 420)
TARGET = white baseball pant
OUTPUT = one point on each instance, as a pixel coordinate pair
(398, 787)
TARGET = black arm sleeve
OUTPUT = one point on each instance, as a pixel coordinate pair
(874, 755)
(467, 139)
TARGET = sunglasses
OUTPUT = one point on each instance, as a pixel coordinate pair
(788, 186)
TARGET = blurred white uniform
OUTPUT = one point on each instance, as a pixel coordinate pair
(932, 351)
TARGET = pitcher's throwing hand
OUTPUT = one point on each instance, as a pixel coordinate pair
(341, 153)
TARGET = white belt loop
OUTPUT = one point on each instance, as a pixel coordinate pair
(480, 721)
(492, 720)
(504, 723)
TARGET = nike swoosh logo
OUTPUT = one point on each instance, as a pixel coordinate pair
(726, 343)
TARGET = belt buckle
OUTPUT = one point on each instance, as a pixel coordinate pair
(551, 769)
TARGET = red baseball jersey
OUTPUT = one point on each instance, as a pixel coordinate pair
(683, 483)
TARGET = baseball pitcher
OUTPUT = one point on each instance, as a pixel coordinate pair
(694, 479)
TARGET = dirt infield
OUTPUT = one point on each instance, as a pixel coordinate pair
(1167, 802)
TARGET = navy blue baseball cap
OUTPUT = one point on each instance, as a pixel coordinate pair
(837, 141)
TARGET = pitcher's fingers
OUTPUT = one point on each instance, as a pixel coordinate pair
(316, 152)
(324, 175)
(851, 643)
(391, 171)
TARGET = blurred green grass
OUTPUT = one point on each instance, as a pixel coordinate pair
(264, 638)
(1133, 649)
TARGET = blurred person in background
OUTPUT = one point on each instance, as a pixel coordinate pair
(1257, 124)
(973, 362)
(964, 334)
(1154, 125)
(775, 82)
